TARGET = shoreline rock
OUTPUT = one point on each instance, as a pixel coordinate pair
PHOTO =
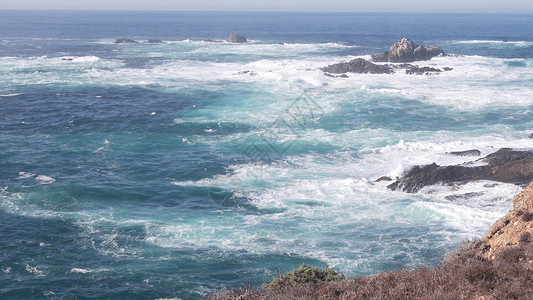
(515, 228)
(500, 266)
(505, 165)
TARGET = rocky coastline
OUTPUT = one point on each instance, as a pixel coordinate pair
(499, 266)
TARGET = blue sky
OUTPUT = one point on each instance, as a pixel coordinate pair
(481, 6)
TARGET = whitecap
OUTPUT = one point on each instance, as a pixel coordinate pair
(80, 270)
(43, 179)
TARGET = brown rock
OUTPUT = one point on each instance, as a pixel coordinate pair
(515, 228)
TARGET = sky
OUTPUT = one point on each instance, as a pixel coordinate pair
(479, 6)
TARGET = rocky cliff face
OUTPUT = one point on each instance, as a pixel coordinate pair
(515, 229)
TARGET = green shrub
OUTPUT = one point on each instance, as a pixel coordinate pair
(304, 275)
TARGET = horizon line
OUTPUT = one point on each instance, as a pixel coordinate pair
(263, 11)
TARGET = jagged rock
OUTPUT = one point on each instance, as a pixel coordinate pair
(357, 65)
(407, 51)
(154, 41)
(235, 38)
(505, 165)
(415, 70)
(473, 152)
(514, 229)
(124, 41)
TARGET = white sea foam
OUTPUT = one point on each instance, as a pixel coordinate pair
(79, 270)
(43, 179)
(34, 270)
(24, 175)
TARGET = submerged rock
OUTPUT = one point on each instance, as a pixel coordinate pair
(505, 165)
(383, 178)
(416, 70)
(357, 65)
(154, 41)
(531, 136)
(407, 51)
(235, 38)
(124, 41)
(473, 152)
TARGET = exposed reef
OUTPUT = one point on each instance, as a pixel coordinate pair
(505, 165)
(357, 65)
(403, 51)
(125, 41)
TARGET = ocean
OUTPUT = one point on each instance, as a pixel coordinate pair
(139, 171)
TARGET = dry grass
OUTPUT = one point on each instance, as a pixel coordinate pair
(465, 274)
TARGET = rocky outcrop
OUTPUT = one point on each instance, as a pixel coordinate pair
(516, 228)
(407, 51)
(357, 65)
(124, 41)
(505, 165)
(154, 41)
(235, 38)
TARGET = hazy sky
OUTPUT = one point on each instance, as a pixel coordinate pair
(494, 6)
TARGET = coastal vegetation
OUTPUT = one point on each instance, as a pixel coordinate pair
(499, 266)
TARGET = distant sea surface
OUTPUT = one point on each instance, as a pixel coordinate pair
(138, 171)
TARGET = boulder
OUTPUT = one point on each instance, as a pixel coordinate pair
(357, 65)
(235, 38)
(505, 165)
(407, 51)
(124, 41)
(154, 41)
(531, 136)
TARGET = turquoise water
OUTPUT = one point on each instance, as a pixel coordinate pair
(145, 171)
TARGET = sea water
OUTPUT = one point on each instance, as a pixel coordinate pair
(179, 169)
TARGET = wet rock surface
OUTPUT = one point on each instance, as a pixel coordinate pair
(505, 165)
(357, 65)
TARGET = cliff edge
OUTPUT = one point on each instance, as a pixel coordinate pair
(515, 229)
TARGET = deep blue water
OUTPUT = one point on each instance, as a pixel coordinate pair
(146, 171)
